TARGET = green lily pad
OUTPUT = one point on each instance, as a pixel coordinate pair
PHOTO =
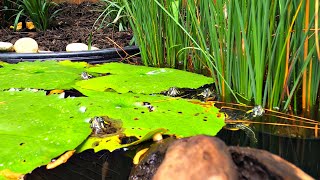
(40, 75)
(178, 116)
(35, 128)
(140, 79)
(113, 142)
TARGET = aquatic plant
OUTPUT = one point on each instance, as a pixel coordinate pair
(263, 51)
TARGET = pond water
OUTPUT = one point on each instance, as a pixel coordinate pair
(89, 166)
(303, 152)
(117, 165)
(293, 138)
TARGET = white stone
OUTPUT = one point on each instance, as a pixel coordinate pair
(6, 47)
(76, 47)
(26, 45)
(94, 48)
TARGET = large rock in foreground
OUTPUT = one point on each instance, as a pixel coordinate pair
(198, 157)
(260, 164)
(204, 157)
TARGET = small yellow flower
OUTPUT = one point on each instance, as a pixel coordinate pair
(19, 26)
(30, 25)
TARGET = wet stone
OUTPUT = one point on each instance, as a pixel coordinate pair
(260, 164)
(150, 162)
(199, 157)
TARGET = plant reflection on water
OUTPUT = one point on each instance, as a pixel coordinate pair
(294, 138)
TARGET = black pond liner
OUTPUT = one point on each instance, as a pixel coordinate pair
(304, 153)
(92, 57)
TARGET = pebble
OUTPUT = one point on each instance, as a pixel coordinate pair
(6, 47)
(76, 47)
(26, 45)
(79, 47)
(94, 48)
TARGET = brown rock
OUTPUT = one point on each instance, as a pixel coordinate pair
(199, 157)
(259, 164)
(151, 160)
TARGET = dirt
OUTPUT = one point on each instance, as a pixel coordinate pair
(72, 25)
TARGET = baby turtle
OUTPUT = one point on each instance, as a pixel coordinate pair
(257, 111)
(234, 115)
(249, 132)
(206, 93)
(104, 126)
(85, 76)
(98, 125)
(173, 91)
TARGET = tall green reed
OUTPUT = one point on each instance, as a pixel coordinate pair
(263, 51)
(157, 35)
(113, 14)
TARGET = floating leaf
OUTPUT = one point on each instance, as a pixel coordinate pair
(35, 128)
(113, 142)
(178, 116)
(40, 75)
(140, 79)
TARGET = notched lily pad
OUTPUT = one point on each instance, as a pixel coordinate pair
(35, 128)
(144, 113)
(41, 75)
(125, 78)
(115, 142)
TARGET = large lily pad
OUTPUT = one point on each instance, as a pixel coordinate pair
(41, 75)
(35, 128)
(113, 141)
(140, 79)
(178, 116)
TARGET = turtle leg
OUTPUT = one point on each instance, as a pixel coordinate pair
(249, 132)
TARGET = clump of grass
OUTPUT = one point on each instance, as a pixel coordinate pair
(38, 11)
(113, 14)
(157, 35)
(8, 10)
(264, 51)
